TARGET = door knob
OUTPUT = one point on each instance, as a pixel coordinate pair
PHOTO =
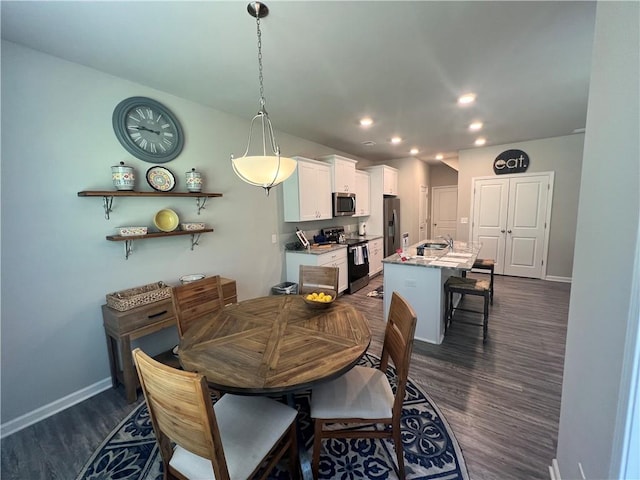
(508, 231)
(502, 231)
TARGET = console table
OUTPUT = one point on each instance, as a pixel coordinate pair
(122, 327)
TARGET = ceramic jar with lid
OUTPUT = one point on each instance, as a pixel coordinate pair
(123, 177)
(194, 180)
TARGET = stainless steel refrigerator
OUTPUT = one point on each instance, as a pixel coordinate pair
(391, 225)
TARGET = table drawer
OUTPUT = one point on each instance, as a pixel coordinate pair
(124, 322)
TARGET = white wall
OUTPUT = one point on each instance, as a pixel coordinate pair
(411, 174)
(57, 139)
(562, 155)
(598, 358)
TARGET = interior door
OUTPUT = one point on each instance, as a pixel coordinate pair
(444, 211)
(526, 226)
(510, 215)
(490, 202)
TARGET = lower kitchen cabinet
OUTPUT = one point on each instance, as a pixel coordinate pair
(334, 258)
(375, 256)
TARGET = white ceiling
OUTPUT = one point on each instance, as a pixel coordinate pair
(327, 63)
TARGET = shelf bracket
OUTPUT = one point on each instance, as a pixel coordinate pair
(128, 248)
(195, 237)
(200, 201)
(107, 202)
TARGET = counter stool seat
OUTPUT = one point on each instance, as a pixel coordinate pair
(468, 286)
(485, 264)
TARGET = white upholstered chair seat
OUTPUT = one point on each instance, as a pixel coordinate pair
(362, 392)
(249, 427)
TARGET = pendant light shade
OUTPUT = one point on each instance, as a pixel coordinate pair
(270, 168)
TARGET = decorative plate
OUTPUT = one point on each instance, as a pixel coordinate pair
(161, 179)
(166, 220)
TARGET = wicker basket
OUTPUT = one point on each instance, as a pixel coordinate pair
(138, 296)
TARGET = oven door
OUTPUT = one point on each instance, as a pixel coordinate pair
(358, 267)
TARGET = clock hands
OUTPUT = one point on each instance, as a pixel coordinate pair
(157, 132)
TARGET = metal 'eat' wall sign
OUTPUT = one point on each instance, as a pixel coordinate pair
(511, 161)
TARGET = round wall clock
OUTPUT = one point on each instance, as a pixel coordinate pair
(147, 130)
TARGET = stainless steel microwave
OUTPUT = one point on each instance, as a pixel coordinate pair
(344, 204)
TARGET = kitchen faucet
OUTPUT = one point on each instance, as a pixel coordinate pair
(447, 239)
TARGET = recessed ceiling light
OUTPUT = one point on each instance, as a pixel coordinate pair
(475, 126)
(366, 122)
(439, 156)
(368, 143)
(480, 141)
(467, 98)
(414, 151)
(396, 140)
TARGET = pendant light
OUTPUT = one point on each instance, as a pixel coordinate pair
(266, 170)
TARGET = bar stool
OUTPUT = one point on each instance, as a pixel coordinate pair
(467, 286)
(484, 264)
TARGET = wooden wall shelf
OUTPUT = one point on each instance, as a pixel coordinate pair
(108, 195)
(128, 239)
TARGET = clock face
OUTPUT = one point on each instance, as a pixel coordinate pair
(147, 130)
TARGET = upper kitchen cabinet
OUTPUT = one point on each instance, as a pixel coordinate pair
(363, 205)
(343, 173)
(383, 178)
(307, 193)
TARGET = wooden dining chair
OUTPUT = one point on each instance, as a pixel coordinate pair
(226, 441)
(313, 278)
(195, 300)
(363, 395)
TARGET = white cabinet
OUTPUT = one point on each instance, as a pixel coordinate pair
(307, 193)
(343, 173)
(386, 177)
(362, 194)
(334, 258)
(375, 256)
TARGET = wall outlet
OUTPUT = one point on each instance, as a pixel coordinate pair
(274, 238)
(464, 220)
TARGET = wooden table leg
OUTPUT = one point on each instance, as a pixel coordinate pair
(128, 369)
(112, 352)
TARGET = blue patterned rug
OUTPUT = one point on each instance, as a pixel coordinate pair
(431, 451)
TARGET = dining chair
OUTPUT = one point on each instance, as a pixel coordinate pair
(364, 395)
(229, 440)
(195, 300)
(313, 278)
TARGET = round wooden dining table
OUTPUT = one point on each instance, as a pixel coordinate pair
(275, 344)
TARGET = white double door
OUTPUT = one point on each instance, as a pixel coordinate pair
(511, 218)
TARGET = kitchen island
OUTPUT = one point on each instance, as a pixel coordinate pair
(420, 280)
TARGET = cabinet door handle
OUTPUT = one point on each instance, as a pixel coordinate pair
(157, 314)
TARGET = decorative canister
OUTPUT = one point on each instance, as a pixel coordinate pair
(123, 177)
(194, 180)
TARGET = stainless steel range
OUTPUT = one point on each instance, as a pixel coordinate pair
(357, 257)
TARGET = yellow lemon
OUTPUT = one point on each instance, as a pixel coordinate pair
(309, 297)
(327, 298)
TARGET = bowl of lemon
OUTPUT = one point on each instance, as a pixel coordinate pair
(319, 299)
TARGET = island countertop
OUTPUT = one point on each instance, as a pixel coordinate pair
(461, 256)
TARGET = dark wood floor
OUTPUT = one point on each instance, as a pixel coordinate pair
(501, 399)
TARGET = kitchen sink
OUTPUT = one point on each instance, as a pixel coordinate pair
(434, 246)
(430, 246)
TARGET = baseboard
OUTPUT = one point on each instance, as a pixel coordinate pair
(554, 470)
(553, 278)
(46, 411)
